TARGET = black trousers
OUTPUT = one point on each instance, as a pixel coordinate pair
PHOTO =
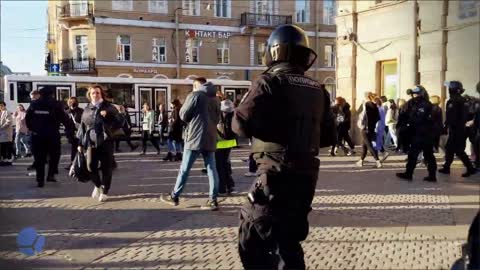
(252, 164)
(147, 136)
(456, 144)
(272, 227)
(224, 169)
(425, 146)
(6, 150)
(476, 149)
(103, 155)
(46, 147)
(73, 149)
(342, 137)
(367, 138)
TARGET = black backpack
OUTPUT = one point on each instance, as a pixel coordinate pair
(226, 131)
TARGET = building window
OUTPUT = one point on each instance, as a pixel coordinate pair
(124, 48)
(122, 4)
(191, 7)
(192, 51)
(223, 8)
(302, 11)
(263, 6)
(329, 12)
(158, 6)
(81, 48)
(329, 56)
(260, 52)
(223, 52)
(468, 9)
(159, 50)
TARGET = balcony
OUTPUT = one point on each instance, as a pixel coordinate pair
(76, 11)
(264, 20)
(72, 65)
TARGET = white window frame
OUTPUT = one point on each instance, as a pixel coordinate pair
(267, 4)
(191, 7)
(194, 46)
(81, 47)
(329, 58)
(260, 53)
(78, 8)
(156, 45)
(222, 47)
(155, 8)
(121, 48)
(329, 9)
(229, 8)
(306, 10)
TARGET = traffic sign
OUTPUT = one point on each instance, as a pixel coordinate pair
(54, 68)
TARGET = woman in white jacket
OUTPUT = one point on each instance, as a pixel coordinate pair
(391, 120)
(148, 127)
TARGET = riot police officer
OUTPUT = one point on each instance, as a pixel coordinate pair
(455, 123)
(418, 117)
(288, 116)
(43, 119)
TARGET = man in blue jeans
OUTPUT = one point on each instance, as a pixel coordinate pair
(201, 112)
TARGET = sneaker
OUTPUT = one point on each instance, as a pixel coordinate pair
(96, 192)
(250, 174)
(142, 154)
(378, 164)
(103, 197)
(32, 174)
(30, 168)
(444, 170)
(359, 163)
(168, 199)
(350, 153)
(430, 179)
(210, 205)
(204, 170)
(404, 176)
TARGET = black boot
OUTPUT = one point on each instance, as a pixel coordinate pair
(168, 157)
(444, 170)
(469, 172)
(178, 157)
(430, 179)
(404, 176)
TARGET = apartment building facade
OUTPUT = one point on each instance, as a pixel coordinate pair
(181, 39)
(389, 46)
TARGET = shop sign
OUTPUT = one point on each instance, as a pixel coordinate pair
(220, 73)
(207, 34)
(145, 70)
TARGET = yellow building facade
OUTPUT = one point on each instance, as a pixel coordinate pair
(387, 47)
(212, 38)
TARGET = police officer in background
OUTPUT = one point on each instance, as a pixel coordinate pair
(456, 119)
(43, 119)
(418, 116)
(289, 118)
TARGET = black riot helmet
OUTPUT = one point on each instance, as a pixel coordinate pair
(420, 90)
(454, 87)
(45, 91)
(289, 43)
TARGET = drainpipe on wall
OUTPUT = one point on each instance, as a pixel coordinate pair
(316, 40)
(354, 55)
(416, 77)
(443, 74)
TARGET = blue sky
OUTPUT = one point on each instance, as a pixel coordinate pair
(23, 34)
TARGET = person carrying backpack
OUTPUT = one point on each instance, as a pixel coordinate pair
(226, 141)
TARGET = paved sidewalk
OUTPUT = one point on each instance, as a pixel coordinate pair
(362, 218)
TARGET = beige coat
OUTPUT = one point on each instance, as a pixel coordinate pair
(6, 127)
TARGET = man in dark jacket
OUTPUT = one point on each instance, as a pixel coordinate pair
(289, 118)
(43, 120)
(367, 122)
(75, 114)
(419, 118)
(455, 123)
(201, 112)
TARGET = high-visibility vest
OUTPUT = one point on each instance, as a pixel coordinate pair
(224, 144)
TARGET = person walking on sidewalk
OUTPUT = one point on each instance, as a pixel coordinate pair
(162, 123)
(201, 112)
(148, 127)
(21, 132)
(175, 132)
(6, 136)
(75, 114)
(367, 122)
(43, 119)
(100, 119)
(226, 141)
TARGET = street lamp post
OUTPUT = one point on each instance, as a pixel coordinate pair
(177, 41)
